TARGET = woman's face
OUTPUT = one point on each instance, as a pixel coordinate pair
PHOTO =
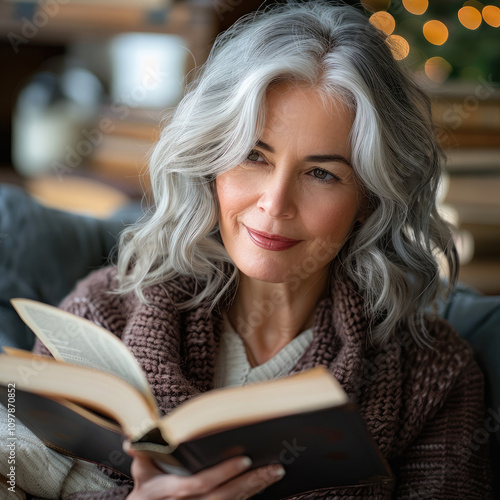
(286, 211)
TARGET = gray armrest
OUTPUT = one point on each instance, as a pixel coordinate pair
(476, 318)
(43, 252)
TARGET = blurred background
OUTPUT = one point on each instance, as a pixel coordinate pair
(86, 84)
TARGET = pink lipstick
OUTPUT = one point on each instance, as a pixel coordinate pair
(272, 242)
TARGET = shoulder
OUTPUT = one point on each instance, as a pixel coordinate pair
(404, 387)
(422, 375)
(96, 298)
(101, 281)
(433, 375)
(447, 355)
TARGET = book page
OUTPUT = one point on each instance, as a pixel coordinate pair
(83, 389)
(236, 406)
(78, 341)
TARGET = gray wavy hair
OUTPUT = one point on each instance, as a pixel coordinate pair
(393, 256)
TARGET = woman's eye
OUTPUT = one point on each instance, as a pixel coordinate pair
(324, 175)
(254, 156)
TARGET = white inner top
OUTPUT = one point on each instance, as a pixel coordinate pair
(233, 367)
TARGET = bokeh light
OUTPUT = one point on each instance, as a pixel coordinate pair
(437, 69)
(416, 7)
(399, 46)
(435, 32)
(376, 5)
(491, 15)
(470, 17)
(383, 21)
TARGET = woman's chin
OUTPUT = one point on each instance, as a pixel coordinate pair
(271, 274)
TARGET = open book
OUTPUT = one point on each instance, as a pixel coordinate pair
(94, 393)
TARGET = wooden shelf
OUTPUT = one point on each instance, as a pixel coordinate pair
(71, 21)
(196, 22)
(483, 275)
(476, 198)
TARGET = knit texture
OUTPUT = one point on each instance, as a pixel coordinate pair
(422, 406)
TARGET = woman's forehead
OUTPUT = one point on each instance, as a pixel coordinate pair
(287, 95)
(301, 112)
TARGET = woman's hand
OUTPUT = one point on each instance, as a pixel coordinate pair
(224, 481)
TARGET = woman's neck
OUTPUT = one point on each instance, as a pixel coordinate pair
(267, 316)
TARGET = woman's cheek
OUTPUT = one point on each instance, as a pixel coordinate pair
(237, 188)
(331, 215)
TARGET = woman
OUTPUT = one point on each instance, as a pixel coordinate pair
(295, 225)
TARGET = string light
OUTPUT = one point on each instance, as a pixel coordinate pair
(416, 7)
(435, 32)
(437, 69)
(400, 48)
(470, 17)
(383, 21)
(491, 15)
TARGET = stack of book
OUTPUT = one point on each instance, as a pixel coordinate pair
(122, 154)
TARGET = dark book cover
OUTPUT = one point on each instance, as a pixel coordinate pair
(319, 449)
(69, 433)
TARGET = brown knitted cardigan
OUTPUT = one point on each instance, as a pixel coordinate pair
(421, 405)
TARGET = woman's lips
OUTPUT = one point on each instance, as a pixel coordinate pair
(270, 241)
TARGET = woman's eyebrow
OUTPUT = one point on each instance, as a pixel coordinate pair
(312, 158)
(265, 146)
(327, 159)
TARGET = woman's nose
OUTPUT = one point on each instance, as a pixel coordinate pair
(278, 197)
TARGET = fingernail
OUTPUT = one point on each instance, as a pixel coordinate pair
(279, 471)
(245, 462)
